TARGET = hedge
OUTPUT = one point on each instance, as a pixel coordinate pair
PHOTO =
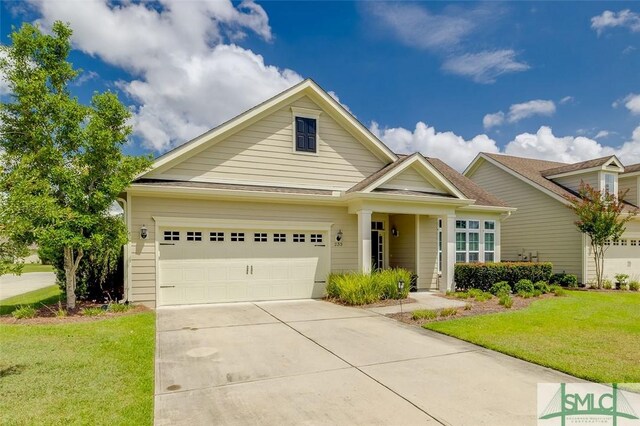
(484, 275)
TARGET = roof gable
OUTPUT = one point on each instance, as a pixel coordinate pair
(416, 162)
(306, 88)
(610, 163)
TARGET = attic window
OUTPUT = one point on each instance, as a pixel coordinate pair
(305, 130)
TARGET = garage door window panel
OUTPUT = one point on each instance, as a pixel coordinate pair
(279, 238)
(299, 238)
(171, 235)
(237, 236)
(216, 236)
(260, 237)
(194, 236)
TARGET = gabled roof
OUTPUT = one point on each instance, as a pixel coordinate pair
(307, 87)
(387, 173)
(469, 188)
(527, 168)
(531, 171)
(634, 168)
(583, 166)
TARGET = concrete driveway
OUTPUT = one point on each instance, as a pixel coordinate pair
(13, 285)
(313, 362)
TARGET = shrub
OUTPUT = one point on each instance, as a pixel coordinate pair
(506, 300)
(23, 312)
(361, 289)
(565, 280)
(536, 293)
(524, 286)
(500, 288)
(448, 312)
(479, 295)
(387, 280)
(468, 306)
(558, 291)
(484, 275)
(461, 294)
(92, 312)
(634, 285)
(525, 294)
(607, 284)
(424, 314)
(118, 307)
(541, 286)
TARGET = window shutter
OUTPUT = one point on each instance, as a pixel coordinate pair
(311, 134)
(301, 143)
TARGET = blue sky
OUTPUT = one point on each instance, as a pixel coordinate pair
(554, 80)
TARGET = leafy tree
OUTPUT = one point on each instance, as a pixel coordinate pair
(61, 164)
(9, 251)
(602, 216)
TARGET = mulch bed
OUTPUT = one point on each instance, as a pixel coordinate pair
(490, 306)
(46, 314)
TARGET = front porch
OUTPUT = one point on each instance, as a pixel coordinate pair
(428, 245)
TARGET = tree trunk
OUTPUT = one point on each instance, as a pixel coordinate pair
(71, 263)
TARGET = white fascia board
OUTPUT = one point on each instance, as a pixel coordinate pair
(165, 221)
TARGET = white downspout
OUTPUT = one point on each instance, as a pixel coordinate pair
(127, 248)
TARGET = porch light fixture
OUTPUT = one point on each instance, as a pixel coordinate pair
(144, 233)
(394, 232)
(339, 235)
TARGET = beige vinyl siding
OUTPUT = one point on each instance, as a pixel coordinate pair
(264, 154)
(428, 247)
(541, 224)
(573, 182)
(412, 180)
(143, 265)
(402, 249)
(630, 184)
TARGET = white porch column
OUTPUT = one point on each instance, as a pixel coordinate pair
(364, 240)
(448, 252)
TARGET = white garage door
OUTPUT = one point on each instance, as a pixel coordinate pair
(623, 257)
(232, 265)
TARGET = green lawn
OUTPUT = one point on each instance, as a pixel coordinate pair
(48, 296)
(35, 267)
(98, 372)
(595, 336)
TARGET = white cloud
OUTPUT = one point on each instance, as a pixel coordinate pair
(543, 144)
(188, 76)
(493, 120)
(602, 134)
(449, 147)
(608, 19)
(629, 49)
(519, 112)
(524, 110)
(632, 103)
(566, 100)
(4, 84)
(416, 26)
(448, 34)
(84, 77)
(486, 66)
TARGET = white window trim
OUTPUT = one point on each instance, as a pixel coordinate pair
(305, 113)
(481, 231)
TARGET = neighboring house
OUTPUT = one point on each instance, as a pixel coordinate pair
(543, 227)
(266, 205)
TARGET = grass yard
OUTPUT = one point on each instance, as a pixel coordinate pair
(592, 335)
(36, 267)
(97, 372)
(48, 296)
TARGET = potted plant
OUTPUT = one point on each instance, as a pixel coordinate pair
(621, 281)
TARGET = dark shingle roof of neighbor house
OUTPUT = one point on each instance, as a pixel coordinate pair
(533, 170)
(212, 185)
(632, 168)
(465, 185)
(596, 162)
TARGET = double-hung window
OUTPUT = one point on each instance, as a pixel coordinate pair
(489, 241)
(461, 241)
(610, 183)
